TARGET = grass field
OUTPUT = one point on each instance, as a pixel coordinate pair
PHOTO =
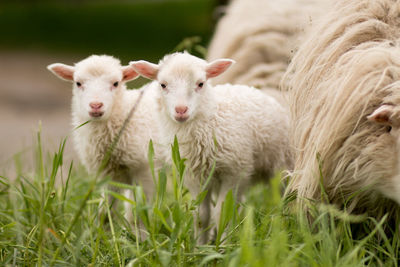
(48, 223)
(56, 214)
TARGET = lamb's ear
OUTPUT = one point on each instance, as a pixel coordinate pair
(129, 73)
(383, 115)
(218, 67)
(62, 71)
(146, 69)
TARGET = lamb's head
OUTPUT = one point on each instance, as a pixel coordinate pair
(97, 83)
(183, 81)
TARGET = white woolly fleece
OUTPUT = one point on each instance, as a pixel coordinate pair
(346, 69)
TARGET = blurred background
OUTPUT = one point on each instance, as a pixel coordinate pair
(36, 33)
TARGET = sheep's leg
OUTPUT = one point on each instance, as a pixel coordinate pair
(141, 177)
(392, 189)
(228, 182)
(202, 220)
(397, 189)
(119, 176)
(122, 175)
(202, 216)
(144, 179)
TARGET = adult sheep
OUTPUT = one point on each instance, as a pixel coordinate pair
(260, 35)
(345, 97)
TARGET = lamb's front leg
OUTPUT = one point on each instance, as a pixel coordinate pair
(202, 221)
(143, 178)
(120, 175)
(202, 216)
(238, 184)
(140, 177)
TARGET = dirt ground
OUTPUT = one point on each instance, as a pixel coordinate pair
(29, 95)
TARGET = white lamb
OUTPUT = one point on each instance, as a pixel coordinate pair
(100, 95)
(249, 127)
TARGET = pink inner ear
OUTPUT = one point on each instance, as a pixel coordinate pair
(382, 115)
(217, 68)
(382, 118)
(129, 73)
(146, 70)
(64, 72)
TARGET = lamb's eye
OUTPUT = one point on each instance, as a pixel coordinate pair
(163, 86)
(78, 84)
(201, 85)
(115, 84)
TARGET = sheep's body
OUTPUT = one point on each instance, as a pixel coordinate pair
(261, 36)
(241, 130)
(250, 130)
(128, 162)
(347, 68)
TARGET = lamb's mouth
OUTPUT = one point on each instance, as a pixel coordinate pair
(181, 118)
(96, 114)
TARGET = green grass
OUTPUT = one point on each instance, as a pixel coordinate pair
(48, 223)
(51, 217)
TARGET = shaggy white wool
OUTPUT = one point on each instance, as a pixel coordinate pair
(261, 36)
(346, 69)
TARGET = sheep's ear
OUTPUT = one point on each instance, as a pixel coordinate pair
(218, 67)
(383, 115)
(129, 73)
(146, 69)
(62, 71)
